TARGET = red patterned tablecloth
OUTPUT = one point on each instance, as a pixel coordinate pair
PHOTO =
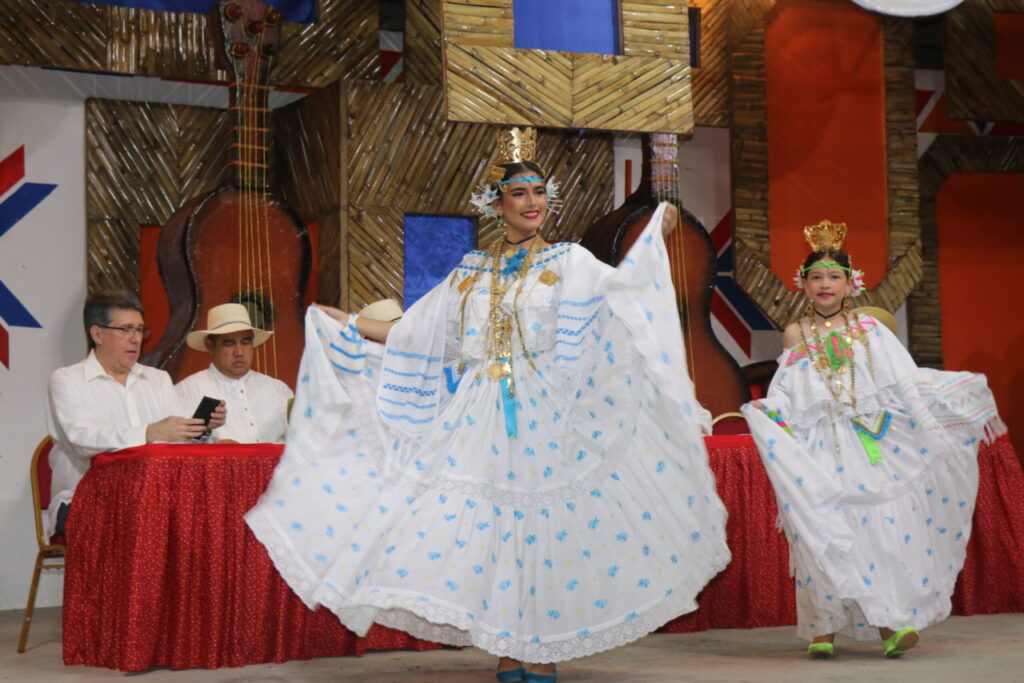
(162, 571)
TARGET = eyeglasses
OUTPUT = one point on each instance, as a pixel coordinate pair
(128, 331)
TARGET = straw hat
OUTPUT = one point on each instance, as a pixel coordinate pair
(880, 314)
(225, 319)
(387, 310)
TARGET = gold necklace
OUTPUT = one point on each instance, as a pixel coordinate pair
(501, 322)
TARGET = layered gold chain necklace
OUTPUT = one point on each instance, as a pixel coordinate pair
(501, 323)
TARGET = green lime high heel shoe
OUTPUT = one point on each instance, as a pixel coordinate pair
(821, 650)
(898, 643)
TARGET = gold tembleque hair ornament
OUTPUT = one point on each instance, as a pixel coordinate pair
(515, 145)
(826, 236)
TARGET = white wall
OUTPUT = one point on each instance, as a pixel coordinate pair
(42, 261)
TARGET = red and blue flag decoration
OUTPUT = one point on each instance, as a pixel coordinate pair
(731, 307)
(15, 204)
(303, 11)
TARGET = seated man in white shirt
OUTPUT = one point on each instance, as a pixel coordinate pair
(259, 404)
(109, 401)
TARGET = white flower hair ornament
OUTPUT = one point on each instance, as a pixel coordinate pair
(856, 282)
(483, 200)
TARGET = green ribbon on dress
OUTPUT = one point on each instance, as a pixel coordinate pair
(869, 437)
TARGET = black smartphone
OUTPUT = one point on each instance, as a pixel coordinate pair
(205, 410)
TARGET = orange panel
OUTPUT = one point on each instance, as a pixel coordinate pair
(1009, 30)
(825, 99)
(981, 260)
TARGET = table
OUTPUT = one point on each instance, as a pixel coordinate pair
(163, 571)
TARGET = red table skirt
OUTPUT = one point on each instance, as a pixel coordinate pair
(162, 570)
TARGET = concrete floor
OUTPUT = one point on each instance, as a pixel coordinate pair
(983, 649)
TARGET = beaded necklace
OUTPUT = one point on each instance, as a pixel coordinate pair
(831, 369)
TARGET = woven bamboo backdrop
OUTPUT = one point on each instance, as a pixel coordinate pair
(142, 162)
(646, 88)
(81, 36)
(946, 155)
(750, 185)
(307, 142)
(402, 156)
(974, 89)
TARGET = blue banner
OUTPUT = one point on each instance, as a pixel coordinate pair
(567, 25)
(434, 245)
(303, 11)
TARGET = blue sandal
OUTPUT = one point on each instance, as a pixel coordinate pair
(511, 675)
(542, 678)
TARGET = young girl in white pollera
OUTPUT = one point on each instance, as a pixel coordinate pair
(873, 461)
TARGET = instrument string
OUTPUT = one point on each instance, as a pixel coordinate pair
(268, 293)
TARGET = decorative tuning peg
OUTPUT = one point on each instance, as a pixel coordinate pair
(254, 28)
(267, 51)
(239, 50)
(233, 12)
(272, 16)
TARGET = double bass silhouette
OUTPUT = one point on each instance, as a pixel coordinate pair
(238, 243)
(719, 382)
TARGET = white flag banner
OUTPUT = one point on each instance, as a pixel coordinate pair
(42, 289)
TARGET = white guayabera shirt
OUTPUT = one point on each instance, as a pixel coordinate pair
(257, 405)
(89, 412)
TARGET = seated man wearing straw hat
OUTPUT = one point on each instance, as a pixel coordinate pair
(258, 403)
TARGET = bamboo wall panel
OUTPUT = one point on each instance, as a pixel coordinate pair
(974, 90)
(637, 94)
(72, 35)
(485, 23)
(307, 139)
(655, 27)
(508, 86)
(946, 155)
(402, 156)
(750, 178)
(711, 74)
(343, 43)
(646, 88)
(375, 257)
(142, 162)
(422, 54)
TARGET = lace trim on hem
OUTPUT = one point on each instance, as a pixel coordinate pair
(442, 624)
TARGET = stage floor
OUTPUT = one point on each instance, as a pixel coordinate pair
(985, 647)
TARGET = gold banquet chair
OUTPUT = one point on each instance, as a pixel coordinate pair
(729, 423)
(50, 549)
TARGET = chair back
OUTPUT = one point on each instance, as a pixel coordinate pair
(41, 478)
(729, 423)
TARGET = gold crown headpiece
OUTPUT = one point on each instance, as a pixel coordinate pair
(826, 236)
(515, 145)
